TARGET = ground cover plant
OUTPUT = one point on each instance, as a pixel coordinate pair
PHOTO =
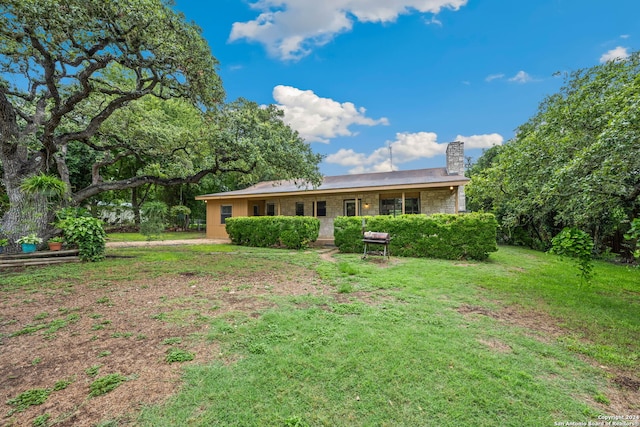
(225, 335)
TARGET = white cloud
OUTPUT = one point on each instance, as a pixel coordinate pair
(405, 148)
(521, 77)
(290, 29)
(492, 77)
(615, 54)
(320, 119)
(481, 141)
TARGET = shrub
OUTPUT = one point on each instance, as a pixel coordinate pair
(87, 233)
(293, 232)
(445, 236)
(153, 222)
(633, 236)
(578, 245)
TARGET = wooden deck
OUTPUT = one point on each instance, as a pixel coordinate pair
(38, 258)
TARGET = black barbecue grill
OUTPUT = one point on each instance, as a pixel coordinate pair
(375, 238)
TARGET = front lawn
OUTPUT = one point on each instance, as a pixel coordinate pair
(224, 335)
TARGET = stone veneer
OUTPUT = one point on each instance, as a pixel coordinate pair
(455, 166)
(431, 201)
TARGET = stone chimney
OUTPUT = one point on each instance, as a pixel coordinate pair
(455, 158)
(455, 166)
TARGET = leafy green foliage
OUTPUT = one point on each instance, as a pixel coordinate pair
(105, 384)
(41, 420)
(66, 68)
(178, 355)
(50, 186)
(32, 397)
(179, 215)
(445, 236)
(295, 232)
(154, 219)
(86, 232)
(578, 245)
(576, 163)
(633, 236)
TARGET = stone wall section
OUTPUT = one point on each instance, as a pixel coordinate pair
(431, 201)
(455, 166)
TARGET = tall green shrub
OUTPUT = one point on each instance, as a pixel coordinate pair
(445, 236)
(294, 232)
(87, 233)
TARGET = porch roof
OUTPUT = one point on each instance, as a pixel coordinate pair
(376, 181)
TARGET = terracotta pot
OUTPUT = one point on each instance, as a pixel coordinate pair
(55, 246)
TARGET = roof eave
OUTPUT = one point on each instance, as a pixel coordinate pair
(220, 196)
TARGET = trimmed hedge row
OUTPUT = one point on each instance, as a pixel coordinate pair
(293, 232)
(445, 236)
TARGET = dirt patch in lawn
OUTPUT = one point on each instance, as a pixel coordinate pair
(624, 387)
(61, 338)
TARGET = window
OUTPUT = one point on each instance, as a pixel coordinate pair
(391, 206)
(394, 206)
(271, 209)
(412, 205)
(226, 211)
(322, 208)
(350, 207)
(299, 209)
(256, 210)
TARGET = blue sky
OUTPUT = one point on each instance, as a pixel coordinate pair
(356, 77)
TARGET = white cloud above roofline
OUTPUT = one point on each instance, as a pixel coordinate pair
(406, 147)
(320, 119)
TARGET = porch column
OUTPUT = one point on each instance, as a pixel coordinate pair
(403, 207)
(457, 199)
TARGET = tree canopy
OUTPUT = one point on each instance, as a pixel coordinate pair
(114, 95)
(576, 163)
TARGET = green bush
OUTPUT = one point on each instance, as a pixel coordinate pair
(293, 232)
(578, 245)
(445, 236)
(632, 236)
(154, 216)
(87, 233)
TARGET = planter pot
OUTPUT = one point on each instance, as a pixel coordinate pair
(55, 246)
(28, 247)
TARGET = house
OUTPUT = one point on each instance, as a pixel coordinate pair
(425, 191)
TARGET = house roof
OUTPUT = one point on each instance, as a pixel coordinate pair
(379, 181)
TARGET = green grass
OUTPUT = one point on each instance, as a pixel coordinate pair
(409, 357)
(391, 345)
(137, 237)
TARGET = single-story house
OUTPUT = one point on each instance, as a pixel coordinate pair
(426, 191)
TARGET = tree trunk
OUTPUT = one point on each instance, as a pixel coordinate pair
(26, 214)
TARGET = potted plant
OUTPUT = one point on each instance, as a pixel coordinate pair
(55, 243)
(3, 243)
(29, 242)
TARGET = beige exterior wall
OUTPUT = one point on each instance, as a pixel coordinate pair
(439, 200)
(215, 229)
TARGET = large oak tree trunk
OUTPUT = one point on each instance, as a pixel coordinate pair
(27, 213)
